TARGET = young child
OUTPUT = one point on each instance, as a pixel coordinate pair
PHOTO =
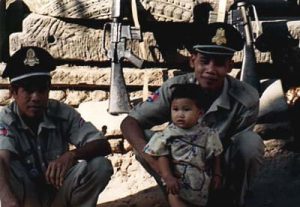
(185, 149)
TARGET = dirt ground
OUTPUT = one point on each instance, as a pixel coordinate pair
(277, 185)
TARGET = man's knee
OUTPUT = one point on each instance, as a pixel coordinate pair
(249, 146)
(101, 167)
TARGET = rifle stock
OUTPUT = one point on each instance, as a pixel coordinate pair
(248, 70)
(118, 96)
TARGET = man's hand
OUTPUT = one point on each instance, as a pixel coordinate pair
(172, 184)
(58, 168)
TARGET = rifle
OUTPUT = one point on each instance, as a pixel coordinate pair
(119, 34)
(239, 18)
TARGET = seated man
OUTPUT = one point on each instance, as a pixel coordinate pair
(36, 166)
(231, 109)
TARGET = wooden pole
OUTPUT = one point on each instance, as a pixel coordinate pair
(2, 27)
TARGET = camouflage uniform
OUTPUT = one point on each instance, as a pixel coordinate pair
(62, 125)
(233, 114)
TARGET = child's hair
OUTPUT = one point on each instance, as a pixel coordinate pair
(190, 91)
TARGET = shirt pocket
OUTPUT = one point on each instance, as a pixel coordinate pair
(28, 158)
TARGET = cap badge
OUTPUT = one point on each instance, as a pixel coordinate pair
(31, 59)
(219, 37)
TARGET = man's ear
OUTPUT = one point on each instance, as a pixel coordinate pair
(192, 60)
(13, 94)
(12, 91)
(230, 65)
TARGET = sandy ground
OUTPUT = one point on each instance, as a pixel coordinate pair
(277, 185)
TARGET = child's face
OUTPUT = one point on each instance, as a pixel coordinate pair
(185, 113)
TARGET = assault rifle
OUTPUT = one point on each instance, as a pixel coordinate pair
(119, 34)
(240, 18)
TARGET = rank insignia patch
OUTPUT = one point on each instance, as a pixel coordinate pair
(154, 96)
(3, 130)
(219, 38)
(31, 58)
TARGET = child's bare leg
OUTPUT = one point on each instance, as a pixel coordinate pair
(175, 200)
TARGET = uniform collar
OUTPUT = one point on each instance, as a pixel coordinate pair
(223, 98)
(241, 92)
(46, 123)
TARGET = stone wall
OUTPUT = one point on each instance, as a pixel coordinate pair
(72, 31)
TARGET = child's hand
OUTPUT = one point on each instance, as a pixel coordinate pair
(172, 184)
(216, 182)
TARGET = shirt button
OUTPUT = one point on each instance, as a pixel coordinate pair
(39, 147)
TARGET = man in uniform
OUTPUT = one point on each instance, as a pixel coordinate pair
(231, 108)
(36, 166)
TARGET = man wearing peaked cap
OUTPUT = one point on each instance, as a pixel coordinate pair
(37, 168)
(231, 109)
(29, 62)
(218, 39)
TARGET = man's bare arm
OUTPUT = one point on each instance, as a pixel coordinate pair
(7, 197)
(133, 133)
(135, 136)
(92, 149)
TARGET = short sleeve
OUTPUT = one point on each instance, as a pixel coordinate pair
(213, 145)
(80, 131)
(157, 146)
(156, 109)
(7, 140)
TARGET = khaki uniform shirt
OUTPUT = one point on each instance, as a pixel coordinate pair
(234, 111)
(62, 125)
